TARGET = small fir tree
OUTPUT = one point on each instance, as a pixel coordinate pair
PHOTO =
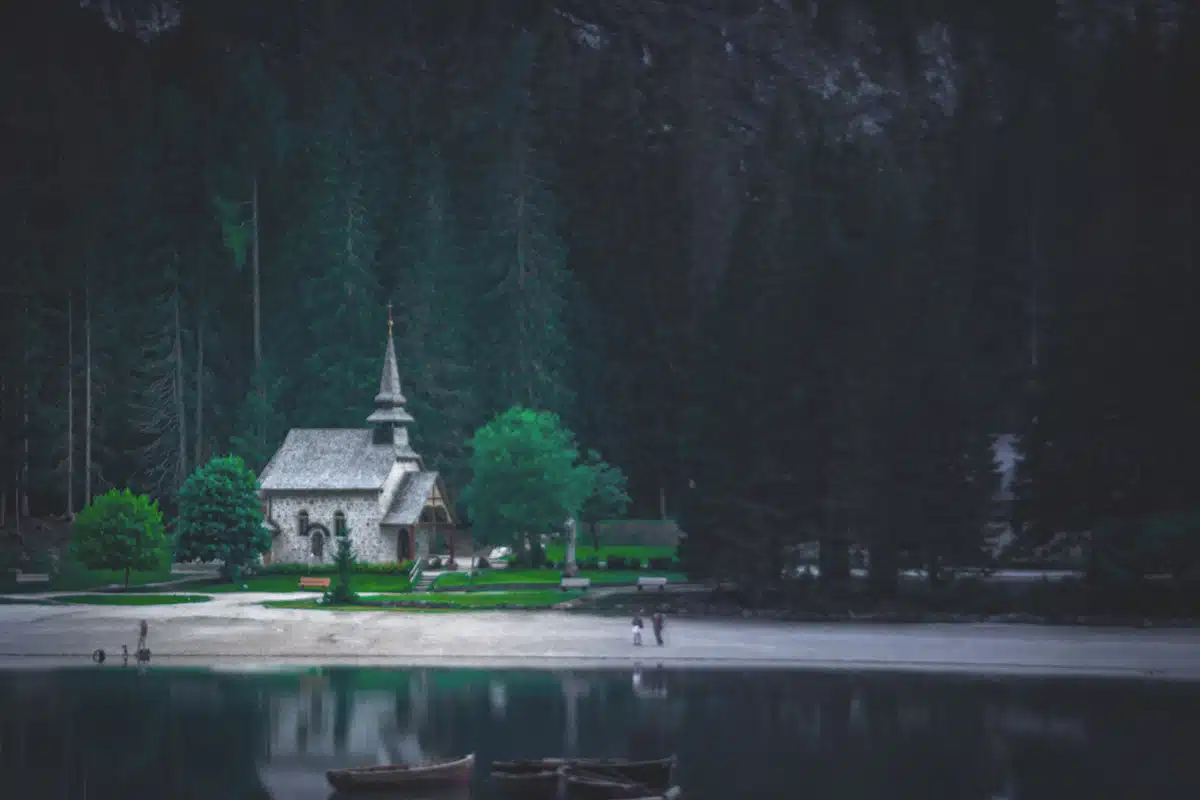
(342, 592)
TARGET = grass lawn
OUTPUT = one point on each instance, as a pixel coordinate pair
(534, 598)
(291, 583)
(557, 551)
(133, 599)
(76, 579)
(600, 577)
(20, 601)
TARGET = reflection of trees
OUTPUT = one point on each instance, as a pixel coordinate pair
(123, 735)
(197, 735)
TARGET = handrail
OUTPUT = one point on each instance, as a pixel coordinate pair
(414, 574)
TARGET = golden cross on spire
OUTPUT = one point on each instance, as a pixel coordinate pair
(389, 319)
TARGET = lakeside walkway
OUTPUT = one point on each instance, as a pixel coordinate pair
(237, 629)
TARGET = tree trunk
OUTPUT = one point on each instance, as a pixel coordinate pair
(254, 264)
(199, 457)
(833, 548)
(23, 496)
(87, 391)
(884, 566)
(70, 405)
(180, 410)
(127, 577)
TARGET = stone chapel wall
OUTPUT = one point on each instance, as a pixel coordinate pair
(362, 520)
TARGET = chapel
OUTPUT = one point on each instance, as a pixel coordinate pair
(365, 483)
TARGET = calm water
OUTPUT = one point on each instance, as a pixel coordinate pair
(111, 733)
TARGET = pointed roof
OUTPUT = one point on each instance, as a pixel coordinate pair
(389, 403)
(389, 382)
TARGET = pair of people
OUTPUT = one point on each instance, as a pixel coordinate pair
(658, 621)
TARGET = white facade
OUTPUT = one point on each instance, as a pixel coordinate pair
(363, 511)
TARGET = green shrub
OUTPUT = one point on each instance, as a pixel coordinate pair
(590, 563)
(616, 562)
(661, 564)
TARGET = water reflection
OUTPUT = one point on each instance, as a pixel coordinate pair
(104, 733)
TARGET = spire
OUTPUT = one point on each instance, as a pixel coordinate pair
(389, 403)
(389, 382)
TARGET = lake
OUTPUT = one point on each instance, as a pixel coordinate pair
(110, 732)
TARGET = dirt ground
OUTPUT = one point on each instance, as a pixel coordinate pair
(238, 629)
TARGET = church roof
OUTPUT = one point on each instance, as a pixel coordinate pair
(326, 458)
(410, 499)
(396, 414)
(390, 395)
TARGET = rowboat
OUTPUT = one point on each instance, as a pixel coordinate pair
(654, 773)
(542, 785)
(448, 772)
(590, 786)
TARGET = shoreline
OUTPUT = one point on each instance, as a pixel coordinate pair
(269, 664)
(237, 629)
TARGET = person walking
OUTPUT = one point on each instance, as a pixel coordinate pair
(637, 628)
(658, 621)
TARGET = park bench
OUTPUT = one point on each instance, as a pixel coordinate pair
(314, 583)
(576, 583)
(643, 582)
(31, 577)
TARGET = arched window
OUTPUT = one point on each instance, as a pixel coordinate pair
(302, 523)
(339, 523)
(318, 545)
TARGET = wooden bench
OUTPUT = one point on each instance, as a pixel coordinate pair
(31, 577)
(315, 583)
(642, 583)
(576, 583)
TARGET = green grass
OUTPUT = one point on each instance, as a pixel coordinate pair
(291, 583)
(534, 598)
(516, 577)
(73, 579)
(557, 551)
(133, 599)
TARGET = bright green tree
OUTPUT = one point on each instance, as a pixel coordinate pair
(120, 530)
(526, 479)
(609, 497)
(220, 516)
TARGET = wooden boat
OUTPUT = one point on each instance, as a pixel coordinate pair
(541, 785)
(654, 773)
(593, 786)
(403, 793)
(448, 772)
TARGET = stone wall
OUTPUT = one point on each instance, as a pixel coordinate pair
(362, 520)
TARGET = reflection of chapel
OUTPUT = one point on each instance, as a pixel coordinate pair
(365, 483)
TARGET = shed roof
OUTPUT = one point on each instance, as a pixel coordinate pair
(314, 459)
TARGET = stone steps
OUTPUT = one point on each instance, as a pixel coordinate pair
(425, 581)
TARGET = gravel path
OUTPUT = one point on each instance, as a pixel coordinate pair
(238, 629)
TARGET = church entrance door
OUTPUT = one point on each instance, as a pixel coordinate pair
(404, 544)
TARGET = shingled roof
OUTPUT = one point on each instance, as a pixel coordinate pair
(410, 499)
(330, 459)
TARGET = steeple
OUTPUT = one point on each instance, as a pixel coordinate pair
(389, 416)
